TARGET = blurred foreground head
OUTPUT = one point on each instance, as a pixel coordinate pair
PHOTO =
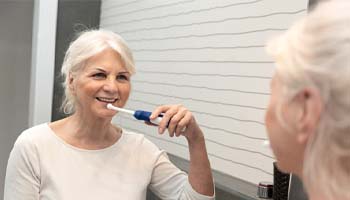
(308, 119)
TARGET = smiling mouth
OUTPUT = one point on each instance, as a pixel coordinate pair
(106, 100)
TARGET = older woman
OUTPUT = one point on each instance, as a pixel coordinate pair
(85, 157)
(308, 119)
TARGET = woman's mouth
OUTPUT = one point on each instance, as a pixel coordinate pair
(106, 100)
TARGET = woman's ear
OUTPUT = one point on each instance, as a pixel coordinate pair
(71, 79)
(310, 105)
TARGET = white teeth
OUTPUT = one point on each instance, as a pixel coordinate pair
(108, 100)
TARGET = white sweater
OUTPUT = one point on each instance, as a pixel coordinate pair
(43, 166)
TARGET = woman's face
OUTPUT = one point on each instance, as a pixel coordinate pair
(103, 80)
(283, 142)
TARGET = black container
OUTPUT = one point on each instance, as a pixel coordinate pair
(280, 184)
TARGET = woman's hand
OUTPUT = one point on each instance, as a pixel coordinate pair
(180, 121)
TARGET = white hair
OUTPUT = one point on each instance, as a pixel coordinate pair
(88, 44)
(315, 52)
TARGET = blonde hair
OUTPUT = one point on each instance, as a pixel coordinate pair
(88, 44)
(315, 52)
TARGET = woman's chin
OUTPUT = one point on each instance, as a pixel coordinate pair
(110, 114)
(105, 114)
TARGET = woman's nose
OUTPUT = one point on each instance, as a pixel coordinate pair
(111, 86)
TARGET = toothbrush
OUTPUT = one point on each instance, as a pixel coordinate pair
(138, 114)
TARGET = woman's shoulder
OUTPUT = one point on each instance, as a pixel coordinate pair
(33, 135)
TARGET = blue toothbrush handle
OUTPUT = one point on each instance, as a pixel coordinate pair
(144, 115)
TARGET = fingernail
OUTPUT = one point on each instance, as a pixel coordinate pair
(160, 130)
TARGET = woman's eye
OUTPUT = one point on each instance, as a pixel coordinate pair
(99, 75)
(122, 77)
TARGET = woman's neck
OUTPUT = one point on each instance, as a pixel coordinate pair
(89, 128)
(87, 133)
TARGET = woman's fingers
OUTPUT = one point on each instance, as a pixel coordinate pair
(167, 111)
(183, 123)
(159, 110)
(168, 120)
(175, 119)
